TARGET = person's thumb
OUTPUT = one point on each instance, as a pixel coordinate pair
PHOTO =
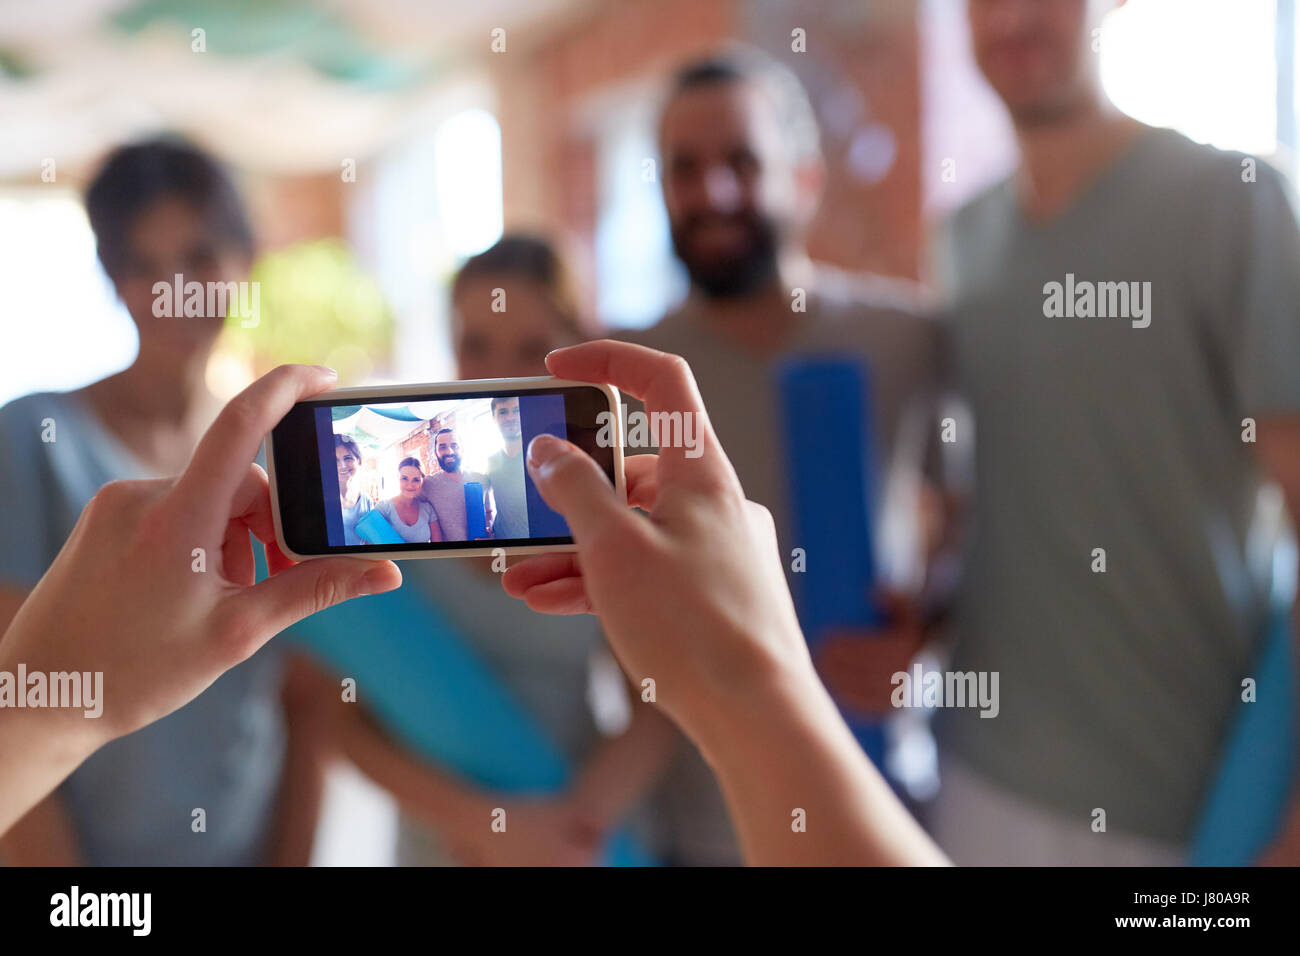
(573, 484)
(285, 598)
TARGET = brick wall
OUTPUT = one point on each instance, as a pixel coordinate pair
(861, 69)
(417, 446)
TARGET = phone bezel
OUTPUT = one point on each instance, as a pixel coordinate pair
(423, 391)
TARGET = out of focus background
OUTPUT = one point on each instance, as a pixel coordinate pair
(381, 142)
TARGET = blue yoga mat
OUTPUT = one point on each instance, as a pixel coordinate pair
(375, 528)
(475, 519)
(434, 694)
(1252, 791)
(831, 487)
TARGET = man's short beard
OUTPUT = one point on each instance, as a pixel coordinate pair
(736, 277)
(1051, 111)
(442, 463)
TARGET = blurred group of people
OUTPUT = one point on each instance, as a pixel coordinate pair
(1071, 435)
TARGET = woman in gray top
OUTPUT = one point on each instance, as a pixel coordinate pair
(544, 665)
(157, 208)
(412, 517)
(354, 503)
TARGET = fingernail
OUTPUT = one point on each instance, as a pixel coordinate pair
(327, 370)
(552, 353)
(545, 448)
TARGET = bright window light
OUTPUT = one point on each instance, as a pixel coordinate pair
(64, 326)
(637, 276)
(467, 164)
(1204, 67)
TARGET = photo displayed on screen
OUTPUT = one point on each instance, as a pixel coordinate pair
(425, 472)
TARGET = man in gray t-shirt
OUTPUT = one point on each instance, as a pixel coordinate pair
(505, 474)
(1125, 312)
(741, 174)
(445, 490)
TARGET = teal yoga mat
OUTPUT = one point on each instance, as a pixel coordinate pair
(1251, 793)
(432, 692)
(375, 528)
(475, 518)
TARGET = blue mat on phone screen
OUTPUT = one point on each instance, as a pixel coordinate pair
(375, 528)
(830, 484)
(1251, 795)
(434, 694)
(475, 519)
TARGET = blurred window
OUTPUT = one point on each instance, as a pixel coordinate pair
(429, 203)
(467, 176)
(637, 276)
(1207, 68)
(63, 326)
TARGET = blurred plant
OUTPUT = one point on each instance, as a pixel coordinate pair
(317, 307)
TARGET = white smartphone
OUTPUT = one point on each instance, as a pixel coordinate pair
(431, 471)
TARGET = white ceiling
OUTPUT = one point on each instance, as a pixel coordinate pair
(89, 84)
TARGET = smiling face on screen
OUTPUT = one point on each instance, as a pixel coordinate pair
(411, 481)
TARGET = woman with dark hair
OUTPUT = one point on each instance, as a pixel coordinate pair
(207, 785)
(542, 314)
(411, 515)
(481, 707)
(354, 503)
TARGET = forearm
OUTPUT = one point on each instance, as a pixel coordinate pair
(780, 747)
(623, 768)
(38, 752)
(302, 783)
(439, 799)
(44, 837)
(39, 748)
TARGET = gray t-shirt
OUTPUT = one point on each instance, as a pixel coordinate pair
(1095, 433)
(505, 478)
(131, 802)
(879, 323)
(362, 507)
(447, 495)
(417, 533)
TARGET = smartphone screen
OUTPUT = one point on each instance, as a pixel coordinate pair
(419, 475)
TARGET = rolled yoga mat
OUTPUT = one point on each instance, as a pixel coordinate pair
(430, 690)
(1251, 795)
(825, 403)
(374, 527)
(475, 518)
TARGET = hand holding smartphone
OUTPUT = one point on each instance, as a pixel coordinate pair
(436, 470)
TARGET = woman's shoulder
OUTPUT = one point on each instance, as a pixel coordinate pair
(50, 466)
(53, 427)
(31, 410)
(361, 505)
